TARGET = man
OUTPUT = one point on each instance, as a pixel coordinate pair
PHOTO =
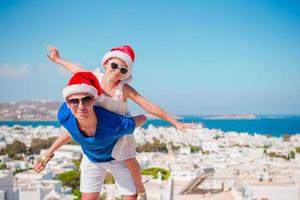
(97, 130)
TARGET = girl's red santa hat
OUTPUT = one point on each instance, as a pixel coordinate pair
(82, 82)
(124, 53)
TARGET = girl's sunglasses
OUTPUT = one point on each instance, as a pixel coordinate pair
(114, 65)
(86, 101)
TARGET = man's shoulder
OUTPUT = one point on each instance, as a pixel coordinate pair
(106, 113)
(110, 119)
(64, 113)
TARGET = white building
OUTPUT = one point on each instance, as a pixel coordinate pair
(28, 176)
(70, 152)
(209, 146)
(39, 186)
(4, 159)
(6, 185)
(185, 150)
(275, 192)
(18, 164)
(38, 190)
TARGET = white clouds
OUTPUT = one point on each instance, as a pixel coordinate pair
(14, 71)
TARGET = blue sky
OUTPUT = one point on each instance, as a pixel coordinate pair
(192, 57)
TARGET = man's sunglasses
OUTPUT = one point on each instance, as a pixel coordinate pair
(86, 101)
(114, 65)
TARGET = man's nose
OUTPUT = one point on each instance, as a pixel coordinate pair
(80, 105)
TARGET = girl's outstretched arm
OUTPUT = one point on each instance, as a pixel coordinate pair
(53, 55)
(154, 109)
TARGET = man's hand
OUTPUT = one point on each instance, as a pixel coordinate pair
(42, 162)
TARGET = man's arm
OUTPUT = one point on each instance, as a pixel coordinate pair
(60, 141)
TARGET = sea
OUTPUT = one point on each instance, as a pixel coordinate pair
(267, 125)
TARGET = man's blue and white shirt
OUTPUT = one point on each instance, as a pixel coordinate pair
(110, 127)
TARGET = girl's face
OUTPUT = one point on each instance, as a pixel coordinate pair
(116, 69)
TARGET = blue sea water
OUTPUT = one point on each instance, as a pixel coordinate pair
(275, 126)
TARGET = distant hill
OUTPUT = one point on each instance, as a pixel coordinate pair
(37, 111)
(29, 111)
(246, 116)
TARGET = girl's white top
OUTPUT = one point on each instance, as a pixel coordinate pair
(125, 147)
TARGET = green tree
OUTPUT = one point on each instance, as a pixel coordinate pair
(37, 144)
(216, 137)
(2, 166)
(109, 179)
(275, 155)
(195, 149)
(297, 149)
(70, 179)
(292, 154)
(155, 146)
(103, 196)
(3, 151)
(15, 149)
(77, 193)
(153, 172)
(77, 162)
(18, 170)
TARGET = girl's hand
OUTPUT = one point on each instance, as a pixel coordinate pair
(53, 53)
(183, 126)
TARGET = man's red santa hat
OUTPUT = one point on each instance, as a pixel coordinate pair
(82, 82)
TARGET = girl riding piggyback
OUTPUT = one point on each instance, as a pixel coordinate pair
(118, 64)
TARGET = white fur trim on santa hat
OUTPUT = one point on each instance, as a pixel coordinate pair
(118, 54)
(79, 88)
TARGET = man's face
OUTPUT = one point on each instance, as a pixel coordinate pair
(81, 104)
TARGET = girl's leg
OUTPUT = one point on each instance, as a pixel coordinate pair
(124, 151)
(90, 196)
(124, 179)
(135, 171)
